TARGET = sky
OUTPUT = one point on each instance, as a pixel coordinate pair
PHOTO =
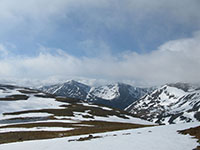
(135, 41)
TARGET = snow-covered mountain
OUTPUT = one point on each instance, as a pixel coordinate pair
(117, 95)
(71, 89)
(171, 103)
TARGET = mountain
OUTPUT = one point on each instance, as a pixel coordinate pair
(29, 114)
(171, 103)
(71, 89)
(117, 95)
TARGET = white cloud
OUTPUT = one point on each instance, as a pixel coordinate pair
(177, 60)
(174, 61)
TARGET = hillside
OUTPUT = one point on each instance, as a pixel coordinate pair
(172, 103)
(150, 138)
(29, 114)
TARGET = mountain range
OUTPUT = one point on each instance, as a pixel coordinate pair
(167, 104)
(118, 95)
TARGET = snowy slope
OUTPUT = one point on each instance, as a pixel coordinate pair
(172, 103)
(24, 112)
(151, 138)
(33, 102)
(117, 95)
(107, 92)
(37, 100)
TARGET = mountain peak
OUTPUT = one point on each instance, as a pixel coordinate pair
(70, 82)
(184, 86)
(172, 103)
(72, 89)
(118, 95)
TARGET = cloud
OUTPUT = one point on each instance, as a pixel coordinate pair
(174, 61)
(122, 24)
(99, 29)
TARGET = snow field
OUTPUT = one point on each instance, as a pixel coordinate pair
(151, 138)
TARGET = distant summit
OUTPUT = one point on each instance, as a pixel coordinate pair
(72, 89)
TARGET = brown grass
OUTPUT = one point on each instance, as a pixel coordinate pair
(28, 91)
(56, 112)
(68, 108)
(67, 100)
(89, 137)
(14, 97)
(97, 127)
(193, 132)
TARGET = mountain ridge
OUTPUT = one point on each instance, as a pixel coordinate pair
(118, 95)
(169, 104)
